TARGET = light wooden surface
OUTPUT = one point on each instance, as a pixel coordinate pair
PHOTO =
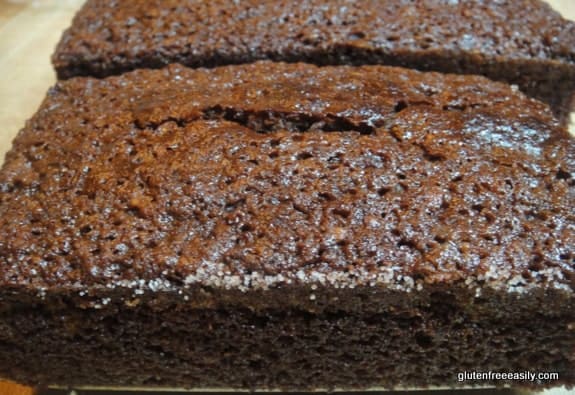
(7, 388)
(29, 31)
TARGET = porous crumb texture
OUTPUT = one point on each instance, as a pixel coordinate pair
(286, 225)
(522, 42)
(158, 341)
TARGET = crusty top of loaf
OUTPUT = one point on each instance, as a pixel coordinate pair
(269, 174)
(111, 36)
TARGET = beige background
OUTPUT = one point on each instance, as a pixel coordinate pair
(29, 30)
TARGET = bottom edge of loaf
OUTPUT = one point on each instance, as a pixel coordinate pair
(464, 389)
(227, 389)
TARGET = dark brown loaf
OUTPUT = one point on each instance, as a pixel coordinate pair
(283, 225)
(522, 42)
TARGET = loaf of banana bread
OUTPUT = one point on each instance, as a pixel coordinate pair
(522, 42)
(289, 226)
